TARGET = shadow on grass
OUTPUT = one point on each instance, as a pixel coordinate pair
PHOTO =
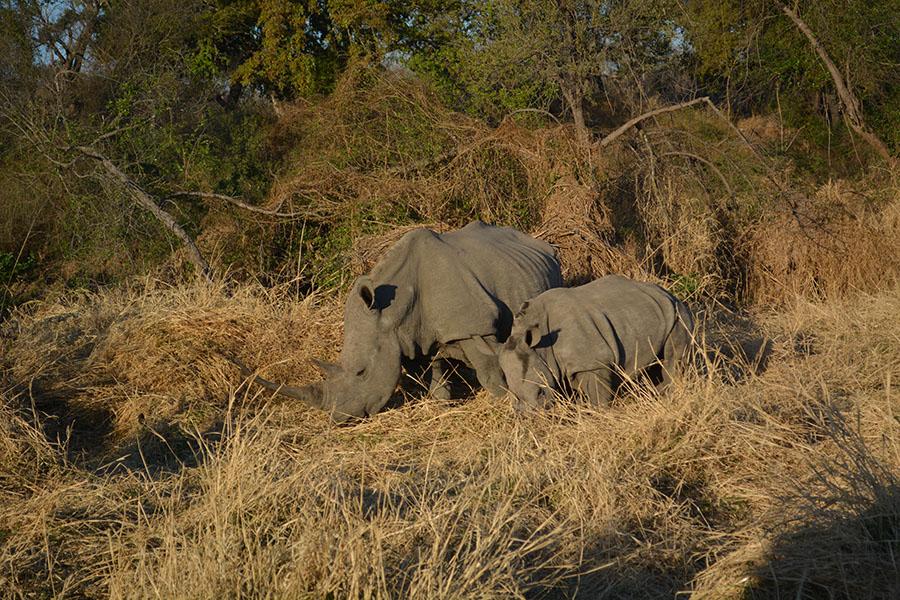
(734, 345)
(854, 555)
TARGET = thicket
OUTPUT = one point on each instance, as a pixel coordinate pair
(337, 120)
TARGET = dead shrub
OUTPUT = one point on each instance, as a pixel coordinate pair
(577, 222)
(833, 245)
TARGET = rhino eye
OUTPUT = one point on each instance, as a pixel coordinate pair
(361, 372)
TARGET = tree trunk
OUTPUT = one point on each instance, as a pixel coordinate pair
(851, 107)
(575, 99)
(89, 20)
(580, 127)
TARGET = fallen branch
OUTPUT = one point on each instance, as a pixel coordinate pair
(667, 109)
(241, 204)
(794, 206)
(146, 201)
(606, 141)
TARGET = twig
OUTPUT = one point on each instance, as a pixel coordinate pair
(706, 162)
(147, 202)
(241, 204)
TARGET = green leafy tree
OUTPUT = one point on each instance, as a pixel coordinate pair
(292, 48)
(516, 53)
(829, 59)
(124, 80)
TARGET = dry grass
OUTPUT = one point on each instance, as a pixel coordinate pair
(843, 240)
(135, 462)
(734, 485)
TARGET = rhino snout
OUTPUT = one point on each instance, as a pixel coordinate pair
(523, 404)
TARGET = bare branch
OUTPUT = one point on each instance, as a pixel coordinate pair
(147, 202)
(706, 162)
(539, 111)
(606, 141)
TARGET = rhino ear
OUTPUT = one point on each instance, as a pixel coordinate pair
(366, 292)
(329, 369)
(532, 336)
(400, 299)
(522, 309)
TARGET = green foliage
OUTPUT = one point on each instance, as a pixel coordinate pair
(16, 53)
(748, 50)
(13, 266)
(178, 94)
(684, 286)
(504, 55)
(300, 47)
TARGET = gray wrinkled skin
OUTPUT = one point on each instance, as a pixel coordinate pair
(448, 294)
(579, 339)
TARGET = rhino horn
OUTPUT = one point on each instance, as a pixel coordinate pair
(312, 394)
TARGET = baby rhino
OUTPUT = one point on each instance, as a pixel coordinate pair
(583, 339)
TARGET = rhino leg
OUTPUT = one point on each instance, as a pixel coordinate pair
(481, 354)
(439, 388)
(596, 386)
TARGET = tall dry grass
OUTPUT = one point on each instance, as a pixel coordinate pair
(134, 463)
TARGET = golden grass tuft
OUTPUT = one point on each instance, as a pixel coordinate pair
(842, 241)
(155, 354)
(734, 484)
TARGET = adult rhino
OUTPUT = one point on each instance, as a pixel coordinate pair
(447, 294)
(582, 339)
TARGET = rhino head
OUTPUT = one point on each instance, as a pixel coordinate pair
(369, 368)
(525, 367)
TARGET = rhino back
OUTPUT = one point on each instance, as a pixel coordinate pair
(514, 266)
(466, 282)
(612, 320)
(487, 273)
